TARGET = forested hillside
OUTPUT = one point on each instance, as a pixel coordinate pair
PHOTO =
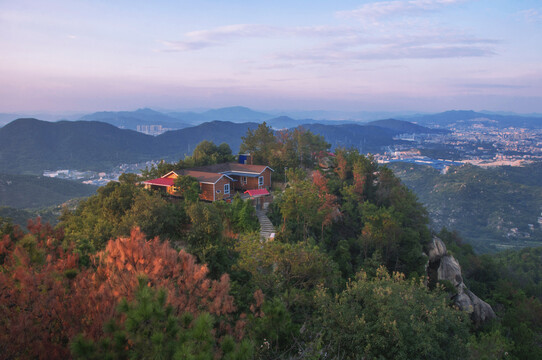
(176, 144)
(24, 197)
(29, 146)
(491, 208)
(20, 217)
(132, 273)
(510, 282)
(31, 191)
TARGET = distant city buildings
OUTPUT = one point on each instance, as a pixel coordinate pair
(481, 144)
(99, 178)
(152, 129)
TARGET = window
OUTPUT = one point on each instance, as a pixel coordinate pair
(260, 181)
(244, 180)
(226, 188)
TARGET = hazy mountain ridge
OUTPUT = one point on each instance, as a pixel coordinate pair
(280, 119)
(131, 119)
(178, 143)
(366, 137)
(369, 137)
(461, 116)
(175, 120)
(286, 122)
(31, 146)
(235, 114)
(403, 126)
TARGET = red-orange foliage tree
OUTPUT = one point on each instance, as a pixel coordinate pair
(329, 207)
(36, 307)
(123, 260)
(46, 298)
(360, 177)
(342, 167)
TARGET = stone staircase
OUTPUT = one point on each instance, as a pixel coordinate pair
(266, 227)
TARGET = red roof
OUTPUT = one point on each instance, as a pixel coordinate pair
(227, 168)
(160, 182)
(257, 192)
(202, 176)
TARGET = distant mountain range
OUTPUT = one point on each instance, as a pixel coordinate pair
(235, 114)
(176, 120)
(287, 119)
(286, 122)
(405, 127)
(240, 114)
(368, 137)
(29, 146)
(468, 117)
(131, 119)
(178, 143)
(6, 118)
(350, 116)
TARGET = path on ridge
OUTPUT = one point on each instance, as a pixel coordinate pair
(266, 227)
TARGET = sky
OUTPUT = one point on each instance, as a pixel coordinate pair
(398, 55)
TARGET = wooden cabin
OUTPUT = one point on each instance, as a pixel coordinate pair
(218, 181)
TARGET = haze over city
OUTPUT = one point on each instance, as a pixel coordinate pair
(417, 55)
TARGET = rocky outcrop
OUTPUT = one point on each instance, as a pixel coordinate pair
(443, 266)
(436, 249)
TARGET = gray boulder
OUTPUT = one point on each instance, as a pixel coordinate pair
(449, 269)
(436, 249)
(443, 266)
(479, 310)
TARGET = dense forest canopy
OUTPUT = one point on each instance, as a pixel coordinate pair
(494, 208)
(132, 273)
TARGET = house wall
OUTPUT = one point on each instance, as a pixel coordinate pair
(156, 188)
(267, 178)
(238, 185)
(252, 182)
(171, 189)
(220, 186)
(207, 192)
